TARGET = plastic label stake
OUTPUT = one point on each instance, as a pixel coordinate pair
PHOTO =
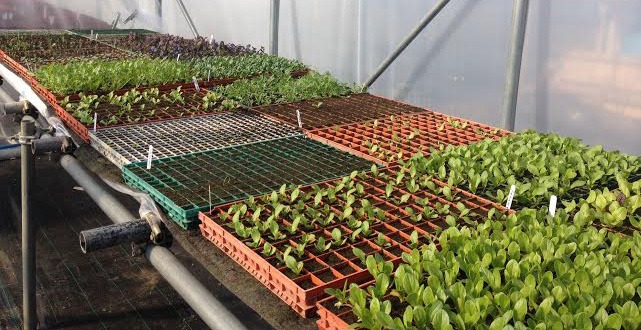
(96, 36)
(209, 75)
(178, 58)
(210, 206)
(211, 38)
(196, 84)
(91, 34)
(510, 197)
(95, 121)
(552, 207)
(149, 156)
(300, 123)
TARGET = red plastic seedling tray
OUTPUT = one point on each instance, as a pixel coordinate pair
(330, 319)
(408, 134)
(300, 292)
(332, 111)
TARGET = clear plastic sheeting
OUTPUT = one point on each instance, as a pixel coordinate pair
(147, 204)
(581, 72)
(78, 14)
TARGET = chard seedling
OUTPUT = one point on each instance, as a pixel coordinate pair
(326, 221)
(340, 295)
(299, 250)
(321, 245)
(382, 241)
(256, 238)
(337, 237)
(268, 250)
(274, 230)
(294, 265)
(389, 188)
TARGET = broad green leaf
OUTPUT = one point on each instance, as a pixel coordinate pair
(520, 309)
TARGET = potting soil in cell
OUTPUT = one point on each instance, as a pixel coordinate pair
(182, 184)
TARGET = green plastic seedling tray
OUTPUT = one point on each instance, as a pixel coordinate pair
(184, 185)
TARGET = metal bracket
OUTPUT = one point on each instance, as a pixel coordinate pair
(158, 230)
(26, 140)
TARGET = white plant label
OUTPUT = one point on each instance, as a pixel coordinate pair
(96, 36)
(95, 121)
(300, 122)
(149, 157)
(211, 38)
(196, 84)
(91, 33)
(178, 58)
(510, 197)
(208, 75)
(552, 207)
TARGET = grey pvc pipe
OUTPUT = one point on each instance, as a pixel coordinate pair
(27, 131)
(137, 231)
(274, 18)
(406, 42)
(513, 75)
(190, 22)
(94, 188)
(211, 310)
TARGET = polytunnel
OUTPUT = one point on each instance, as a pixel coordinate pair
(283, 164)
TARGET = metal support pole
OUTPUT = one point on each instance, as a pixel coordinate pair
(158, 8)
(27, 131)
(211, 310)
(401, 47)
(274, 15)
(183, 9)
(114, 24)
(519, 23)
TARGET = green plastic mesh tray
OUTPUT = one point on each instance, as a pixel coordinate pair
(182, 184)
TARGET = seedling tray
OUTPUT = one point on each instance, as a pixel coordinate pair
(326, 112)
(383, 140)
(332, 269)
(303, 290)
(163, 110)
(32, 49)
(188, 85)
(130, 144)
(181, 184)
(111, 32)
(331, 319)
